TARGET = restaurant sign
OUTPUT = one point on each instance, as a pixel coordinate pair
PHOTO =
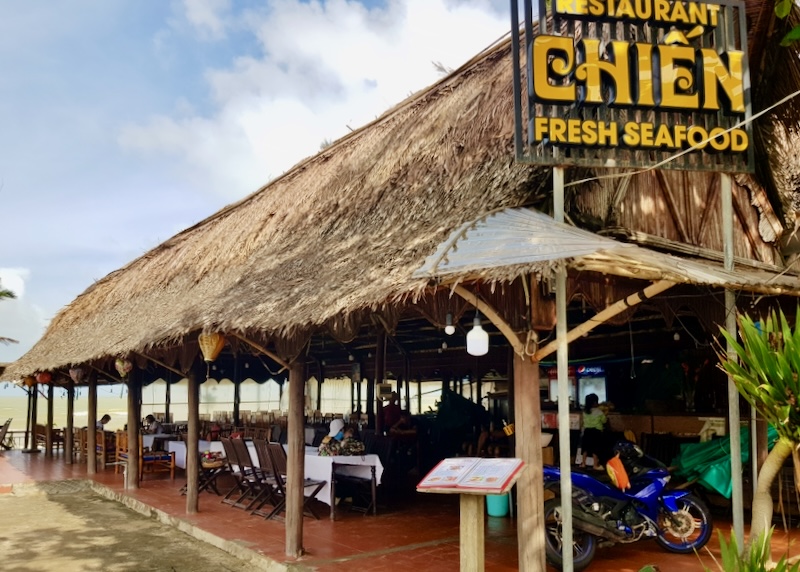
(634, 83)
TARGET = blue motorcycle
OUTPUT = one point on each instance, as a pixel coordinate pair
(605, 515)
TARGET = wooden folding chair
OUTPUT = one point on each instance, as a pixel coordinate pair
(277, 456)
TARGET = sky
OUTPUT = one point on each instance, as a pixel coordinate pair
(123, 122)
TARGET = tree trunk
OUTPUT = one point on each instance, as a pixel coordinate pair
(762, 501)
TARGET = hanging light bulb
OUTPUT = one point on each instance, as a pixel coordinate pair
(477, 338)
(449, 328)
(351, 357)
(676, 336)
(444, 345)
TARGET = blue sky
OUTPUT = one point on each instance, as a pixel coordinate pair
(123, 122)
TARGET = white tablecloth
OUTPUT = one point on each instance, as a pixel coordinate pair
(149, 439)
(179, 447)
(321, 468)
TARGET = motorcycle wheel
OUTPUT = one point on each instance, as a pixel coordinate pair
(686, 530)
(583, 544)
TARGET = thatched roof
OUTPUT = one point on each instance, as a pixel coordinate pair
(341, 231)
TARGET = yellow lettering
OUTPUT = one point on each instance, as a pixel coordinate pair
(597, 8)
(589, 128)
(625, 9)
(567, 6)
(553, 58)
(574, 131)
(608, 134)
(631, 137)
(646, 134)
(713, 13)
(719, 139)
(663, 137)
(698, 14)
(645, 73)
(661, 10)
(616, 68)
(540, 128)
(644, 8)
(558, 128)
(678, 88)
(739, 141)
(730, 79)
(696, 136)
(679, 138)
(679, 13)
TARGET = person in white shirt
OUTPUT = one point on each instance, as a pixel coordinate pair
(153, 426)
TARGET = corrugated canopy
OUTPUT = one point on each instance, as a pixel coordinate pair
(518, 240)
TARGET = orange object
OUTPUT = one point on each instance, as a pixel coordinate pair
(619, 476)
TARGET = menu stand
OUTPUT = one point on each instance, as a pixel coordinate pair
(472, 479)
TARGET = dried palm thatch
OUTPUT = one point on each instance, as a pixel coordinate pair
(340, 232)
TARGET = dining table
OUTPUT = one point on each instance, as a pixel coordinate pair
(179, 448)
(155, 441)
(320, 468)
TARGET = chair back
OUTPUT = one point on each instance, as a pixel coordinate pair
(230, 454)
(242, 454)
(278, 456)
(4, 430)
(262, 454)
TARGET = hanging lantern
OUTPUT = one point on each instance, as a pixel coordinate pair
(76, 374)
(124, 366)
(43, 377)
(211, 345)
(29, 381)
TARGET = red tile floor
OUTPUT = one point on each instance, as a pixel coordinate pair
(413, 532)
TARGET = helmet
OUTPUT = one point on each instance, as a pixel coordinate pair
(628, 450)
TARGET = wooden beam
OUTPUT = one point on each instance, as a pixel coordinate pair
(193, 444)
(91, 427)
(272, 355)
(673, 209)
(494, 317)
(108, 375)
(162, 364)
(605, 315)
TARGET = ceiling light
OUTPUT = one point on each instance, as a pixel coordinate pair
(449, 328)
(676, 336)
(444, 345)
(351, 357)
(477, 338)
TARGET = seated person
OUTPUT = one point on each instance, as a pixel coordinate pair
(333, 440)
(404, 426)
(350, 444)
(153, 426)
(101, 423)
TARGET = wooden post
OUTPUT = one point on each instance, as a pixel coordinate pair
(471, 536)
(48, 435)
(564, 457)
(167, 397)
(134, 422)
(726, 198)
(69, 438)
(91, 426)
(530, 491)
(193, 442)
(295, 470)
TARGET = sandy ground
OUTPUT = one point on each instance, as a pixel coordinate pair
(66, 527)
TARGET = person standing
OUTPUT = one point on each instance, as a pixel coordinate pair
(593, 421)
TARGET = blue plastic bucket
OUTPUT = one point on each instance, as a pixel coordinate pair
(497, 505)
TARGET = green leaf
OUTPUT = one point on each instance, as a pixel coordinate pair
(782, 8)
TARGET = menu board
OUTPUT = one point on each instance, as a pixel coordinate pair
(472, 475)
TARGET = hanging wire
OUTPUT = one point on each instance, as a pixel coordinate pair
(633, 356)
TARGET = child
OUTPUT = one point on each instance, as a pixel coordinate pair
(593, 421)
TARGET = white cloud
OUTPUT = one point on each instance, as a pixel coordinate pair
(207, 17)
(320, 70)
(20, 319)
